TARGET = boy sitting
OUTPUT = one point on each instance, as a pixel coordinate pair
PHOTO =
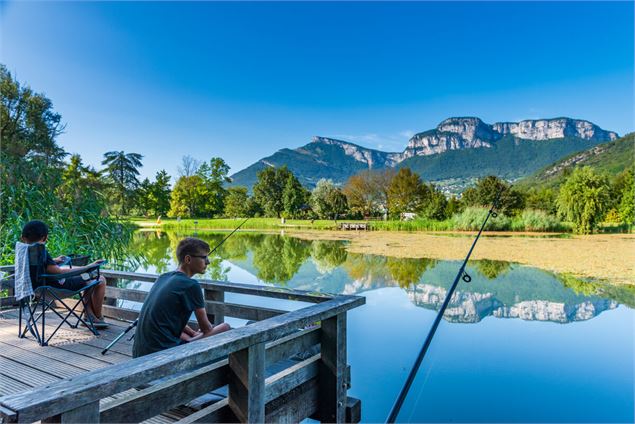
(37, 232)
(174, 296)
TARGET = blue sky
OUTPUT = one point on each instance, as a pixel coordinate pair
(242, 80)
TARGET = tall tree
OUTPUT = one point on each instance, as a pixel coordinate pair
(627, 202)
(161, 193)
(123, 168)
(214, 175)
(188, 197)
(406, 192)
(583, 199)
(484, 194)
(327, 201)
(435, 203)
(28, 124)
(188, 166)
(269, 190)
(237, 202)
(367, 191)
(294, 197)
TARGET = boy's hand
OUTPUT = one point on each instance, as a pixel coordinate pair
(59, 259)
(99, 262)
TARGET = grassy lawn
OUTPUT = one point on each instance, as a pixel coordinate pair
(516, 224)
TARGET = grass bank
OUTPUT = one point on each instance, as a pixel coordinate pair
(470, 219)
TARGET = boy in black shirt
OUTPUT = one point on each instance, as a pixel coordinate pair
(37, 232)
(174, 296)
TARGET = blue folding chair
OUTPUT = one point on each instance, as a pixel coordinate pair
(46, 296)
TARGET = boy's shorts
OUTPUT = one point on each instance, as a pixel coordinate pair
(73, 283)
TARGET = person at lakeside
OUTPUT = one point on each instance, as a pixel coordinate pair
(37, 232)
(174, 296)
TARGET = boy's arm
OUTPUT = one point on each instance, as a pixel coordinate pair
(205, 327)
(55, 269)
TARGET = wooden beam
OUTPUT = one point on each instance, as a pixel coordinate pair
(267, 291)
(292, 377)
(213, 307)
(292, 344)
(353, 410)
(294, 406)
(247, 383)
(7, 415)
(88, 413)
(223, 286)
(333, 386)
(163, 396)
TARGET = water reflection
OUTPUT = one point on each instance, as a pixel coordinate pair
(499, 289)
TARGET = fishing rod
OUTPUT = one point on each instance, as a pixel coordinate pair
(461, 275)
(135, 322)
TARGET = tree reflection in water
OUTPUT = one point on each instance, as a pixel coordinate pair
(491, 269)
(277, 259)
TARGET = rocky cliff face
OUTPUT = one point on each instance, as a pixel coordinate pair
(468, 307)
(372, 158)
(465, 133)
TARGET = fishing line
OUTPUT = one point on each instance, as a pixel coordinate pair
(135, 322)
(461, 275)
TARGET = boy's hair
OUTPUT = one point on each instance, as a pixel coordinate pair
(190, 246)
(34, 231)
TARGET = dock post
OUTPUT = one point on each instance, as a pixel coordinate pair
(218, 296)
(332, 376)
(247, 384)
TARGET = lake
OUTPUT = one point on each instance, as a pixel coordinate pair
(517, 344)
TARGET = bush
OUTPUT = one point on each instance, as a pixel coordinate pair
(472, 218)
(537, 220)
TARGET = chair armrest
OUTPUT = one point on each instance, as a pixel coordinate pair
(73, 273)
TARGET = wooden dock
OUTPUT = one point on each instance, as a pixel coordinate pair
(286, 367)
(364, 226)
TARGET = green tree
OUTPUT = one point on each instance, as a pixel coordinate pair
(28, 125)
(35, 183)
(627, 207)
(453, 207)
(541, 199)
(160, 193)
(327, 201)
(294, 197)
(214, 175)
(188, 197)
(434, 204)
(368, 191)
(237, 202)
(406, 192)
(122, 169)
(583, 199)
(143, 196)
(269, 190)
(510, 202)
(80, 184)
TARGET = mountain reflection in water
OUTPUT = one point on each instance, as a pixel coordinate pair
(498, 289)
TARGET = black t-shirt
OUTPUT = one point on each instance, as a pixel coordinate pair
(37, 269)
(165, 313)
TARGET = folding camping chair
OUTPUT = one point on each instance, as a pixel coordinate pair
(45, 296)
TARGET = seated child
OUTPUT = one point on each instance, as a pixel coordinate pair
(37, 232)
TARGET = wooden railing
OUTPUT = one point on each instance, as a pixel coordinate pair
(239, 359)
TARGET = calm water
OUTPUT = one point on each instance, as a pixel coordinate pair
(517, 344)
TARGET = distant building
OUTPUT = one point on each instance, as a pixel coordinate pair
(408, 216)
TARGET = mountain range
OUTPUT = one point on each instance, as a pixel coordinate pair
(457, 151)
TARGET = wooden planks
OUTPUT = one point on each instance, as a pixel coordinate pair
(316, 385)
